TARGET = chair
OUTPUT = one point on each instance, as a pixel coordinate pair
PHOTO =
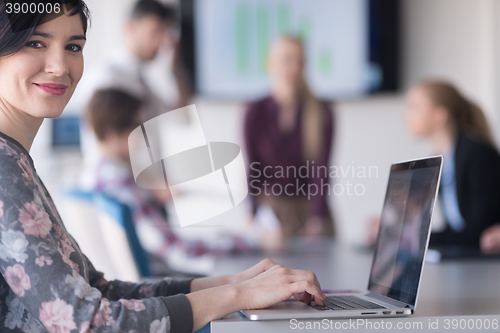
(204, 329)
(81, 219)
(105, 232)
(121, 239)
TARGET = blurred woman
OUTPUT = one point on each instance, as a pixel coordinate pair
(288, 137)
(470, 183)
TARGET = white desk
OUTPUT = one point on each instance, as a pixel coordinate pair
(458, 289)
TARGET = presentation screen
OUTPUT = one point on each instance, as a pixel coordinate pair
(226, 44)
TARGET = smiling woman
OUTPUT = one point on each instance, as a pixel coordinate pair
(46, 283)
(41, 66)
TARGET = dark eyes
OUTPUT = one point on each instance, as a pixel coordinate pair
(34, 45)
(71, 47)
(74, 48)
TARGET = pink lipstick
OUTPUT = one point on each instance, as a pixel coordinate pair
(53, 88)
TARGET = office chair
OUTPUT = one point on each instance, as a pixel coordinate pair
(121, 238)
(81, 219)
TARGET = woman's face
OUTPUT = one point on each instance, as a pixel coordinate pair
(286, 63)
(422, 116)
(40, 79)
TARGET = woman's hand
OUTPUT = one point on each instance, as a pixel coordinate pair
(490, 240)
(217, 281)
(258, 287)
(252, 272)
(278, 284)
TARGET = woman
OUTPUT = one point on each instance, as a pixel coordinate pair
(46, 283)
(288, 137)
(470, 183)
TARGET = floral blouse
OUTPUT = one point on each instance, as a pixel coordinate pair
(48, 285)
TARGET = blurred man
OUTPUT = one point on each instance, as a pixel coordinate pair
(151, 27)
(114, 114)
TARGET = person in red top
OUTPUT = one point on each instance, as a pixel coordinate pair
(288, 139)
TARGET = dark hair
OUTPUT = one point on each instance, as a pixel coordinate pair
(466, 116)
(144, 8)
(17, 29)
(113, 110)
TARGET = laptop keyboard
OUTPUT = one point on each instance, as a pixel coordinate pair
(347, 303)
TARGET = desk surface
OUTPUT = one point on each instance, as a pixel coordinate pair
(467, 287)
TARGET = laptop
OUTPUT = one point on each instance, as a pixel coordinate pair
(399, 254)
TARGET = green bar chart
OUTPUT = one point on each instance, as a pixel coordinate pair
(266, 22)
(233, 39)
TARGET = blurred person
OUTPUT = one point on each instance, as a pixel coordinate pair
(46, 282)
(490, 240)
(114, 114)
(150, 28)
(288, 131)
(470, 183)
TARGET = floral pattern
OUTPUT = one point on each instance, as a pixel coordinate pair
(133, 304)
(81, 289)
(13, 245)
(104, 315)
(25, 166)
(48, 285)
(17, 279)
(57, 316)
(85, 328)
(42, 261)
(14, 318)
(35, 220)
(158, 326)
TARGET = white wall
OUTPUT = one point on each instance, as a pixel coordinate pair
(454, 39)
(457, 40)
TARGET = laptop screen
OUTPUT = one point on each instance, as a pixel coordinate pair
(404, 229)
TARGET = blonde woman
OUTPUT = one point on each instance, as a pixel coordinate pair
(288, 137)
(470, 184)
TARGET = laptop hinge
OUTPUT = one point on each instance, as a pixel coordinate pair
(391, 301)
